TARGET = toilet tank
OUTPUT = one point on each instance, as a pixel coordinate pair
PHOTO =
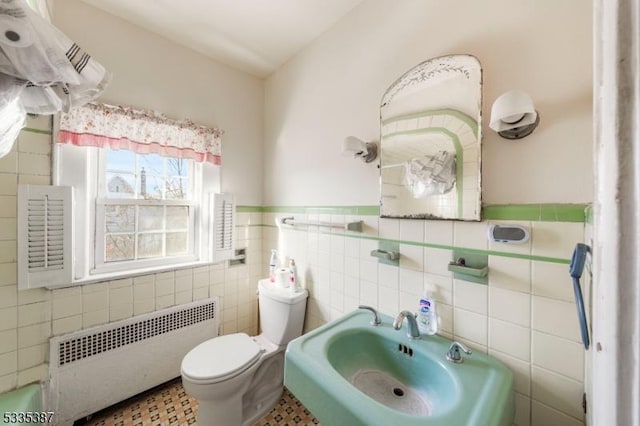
(281, 312)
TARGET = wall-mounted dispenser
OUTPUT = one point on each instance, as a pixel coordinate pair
(367, 151)
(513, 115)
(510, 234)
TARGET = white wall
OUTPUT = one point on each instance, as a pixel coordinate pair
(153, 73)
(332, 89)
(526, 315)
(328, 91)
(150, 73)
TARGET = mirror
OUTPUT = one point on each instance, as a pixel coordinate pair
(430, 130)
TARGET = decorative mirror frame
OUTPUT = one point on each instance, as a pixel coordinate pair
(458, 121)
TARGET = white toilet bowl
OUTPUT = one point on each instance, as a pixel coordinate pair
(237, 378)
(217, 373)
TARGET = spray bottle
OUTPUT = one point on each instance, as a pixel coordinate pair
(272, 265)
(293, 279)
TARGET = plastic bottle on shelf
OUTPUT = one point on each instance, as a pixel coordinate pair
(427, 318)
(272, 265)
(293, 278)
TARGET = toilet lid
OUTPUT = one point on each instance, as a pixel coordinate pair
(220, 357)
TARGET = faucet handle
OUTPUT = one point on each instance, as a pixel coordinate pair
(453, 354)
(376, 317)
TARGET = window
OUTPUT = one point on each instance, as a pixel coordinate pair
(145, 208)
(143, 188)
(136, 212)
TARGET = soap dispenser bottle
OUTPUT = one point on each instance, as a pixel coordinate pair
(427, 318)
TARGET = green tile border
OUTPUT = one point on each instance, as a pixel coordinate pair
(348, 234)
(529, 212)
(577, 213)
(32, 130)
(347, 210)
(249, 209)
(536, 212)
(588, 214)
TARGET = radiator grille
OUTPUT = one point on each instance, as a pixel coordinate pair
(78, 348)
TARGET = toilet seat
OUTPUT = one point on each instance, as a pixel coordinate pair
(220, 358)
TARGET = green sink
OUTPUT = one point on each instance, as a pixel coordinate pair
(349, 372)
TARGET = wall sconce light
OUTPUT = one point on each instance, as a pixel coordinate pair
(513, 115)
(367, 151)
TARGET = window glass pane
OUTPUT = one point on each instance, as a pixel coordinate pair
(179, 167)
(120, 185)
(179, 172)
(153, 164)
(118, 247)
(149, 245)
(150, 218)
(177, 189)
(151, 186)
(177, 218)
(121, 161)
(119, 218)
(147, 176)
(177, 243)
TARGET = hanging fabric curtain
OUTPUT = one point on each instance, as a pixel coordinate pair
(144, 132)
(41, 70)
(41, 7)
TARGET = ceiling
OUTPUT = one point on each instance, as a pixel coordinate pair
(256, 36)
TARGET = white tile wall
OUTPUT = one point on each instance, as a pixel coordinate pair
(556, 239)
(439, 232)
(523, 410)
(550, 280)
(510, 273)
(557, 391)
(521, 371)
(29, 318)
(510, 339)
(9, 339)
(470, 296)
(470, 326)
(555, 317)
(543, 415)
(558, 355)
(524, 317)
(510, 306)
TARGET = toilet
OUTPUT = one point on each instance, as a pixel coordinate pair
(237, 378)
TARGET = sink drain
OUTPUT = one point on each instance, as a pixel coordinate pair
(398, 392)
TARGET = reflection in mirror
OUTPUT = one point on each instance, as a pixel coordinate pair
(430, 121)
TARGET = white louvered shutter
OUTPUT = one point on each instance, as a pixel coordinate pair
(224, 210)
(44, 236)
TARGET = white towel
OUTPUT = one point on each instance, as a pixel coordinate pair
(46, 70)
(430, 175)
(36, 51)
(12, 114)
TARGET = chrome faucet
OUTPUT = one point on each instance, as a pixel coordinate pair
(413, 332)
(376, 317)
(453, 354)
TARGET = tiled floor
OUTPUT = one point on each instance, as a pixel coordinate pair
(170, 404)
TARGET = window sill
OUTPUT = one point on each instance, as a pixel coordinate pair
(109, 276)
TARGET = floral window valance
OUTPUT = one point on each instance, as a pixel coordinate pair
(141, 131)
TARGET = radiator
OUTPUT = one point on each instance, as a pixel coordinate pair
(94, 368)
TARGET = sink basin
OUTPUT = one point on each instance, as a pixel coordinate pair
(391, 372)
(349, 372)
